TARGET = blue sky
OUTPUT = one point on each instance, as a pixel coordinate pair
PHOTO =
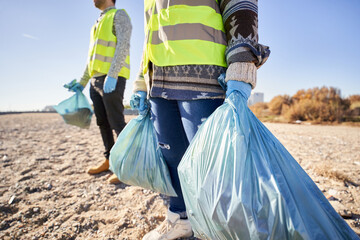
(44, 44)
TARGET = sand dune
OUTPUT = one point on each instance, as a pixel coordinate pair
(45, 192)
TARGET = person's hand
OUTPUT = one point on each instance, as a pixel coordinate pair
(77, 87)
(242, 87)
(109, 84)
(74, 86)
(138, 101)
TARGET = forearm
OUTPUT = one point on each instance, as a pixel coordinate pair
(122, 29)
(85, 78)
(140, 83)
(244, 54)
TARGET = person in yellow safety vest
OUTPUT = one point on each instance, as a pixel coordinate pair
(188, 45)
(108, 67)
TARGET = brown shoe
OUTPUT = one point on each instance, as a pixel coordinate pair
(101, 168)
(113, 179)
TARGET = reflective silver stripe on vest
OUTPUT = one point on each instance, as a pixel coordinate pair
(105, 43)
(186, 31)
(106, 59)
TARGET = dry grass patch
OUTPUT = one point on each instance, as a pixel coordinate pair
(324, 170)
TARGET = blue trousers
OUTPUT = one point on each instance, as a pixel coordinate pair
(176, 123)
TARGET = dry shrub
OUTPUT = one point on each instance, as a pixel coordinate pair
(354, 102)
(259, 109)
(295, 112)
(354, 98)
(279, 102)
(315, 111)
(316, 105)
(352, 112)
(324, 171)
(355, 105)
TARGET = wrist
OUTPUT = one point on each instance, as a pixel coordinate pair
(242, 87)
(242, 71)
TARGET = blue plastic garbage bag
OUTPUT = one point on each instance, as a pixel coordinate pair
(76, 110)
(239, 182)
(136, 159)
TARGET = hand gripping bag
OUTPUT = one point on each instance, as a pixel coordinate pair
(136, 159)
(239, 182)
(76, 110)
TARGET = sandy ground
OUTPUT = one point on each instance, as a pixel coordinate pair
(45, 192)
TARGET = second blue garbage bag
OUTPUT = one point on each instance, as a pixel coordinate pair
(239, 182)
(76, 110)
(136, 159)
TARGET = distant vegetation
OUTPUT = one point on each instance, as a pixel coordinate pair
(316, 105)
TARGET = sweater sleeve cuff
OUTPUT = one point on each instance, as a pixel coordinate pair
(242, 71)
(140, 83)
(139, 86)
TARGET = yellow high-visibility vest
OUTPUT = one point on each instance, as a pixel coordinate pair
(184, 32)
(102, 47)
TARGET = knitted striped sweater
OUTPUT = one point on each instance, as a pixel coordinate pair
(244, 55)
